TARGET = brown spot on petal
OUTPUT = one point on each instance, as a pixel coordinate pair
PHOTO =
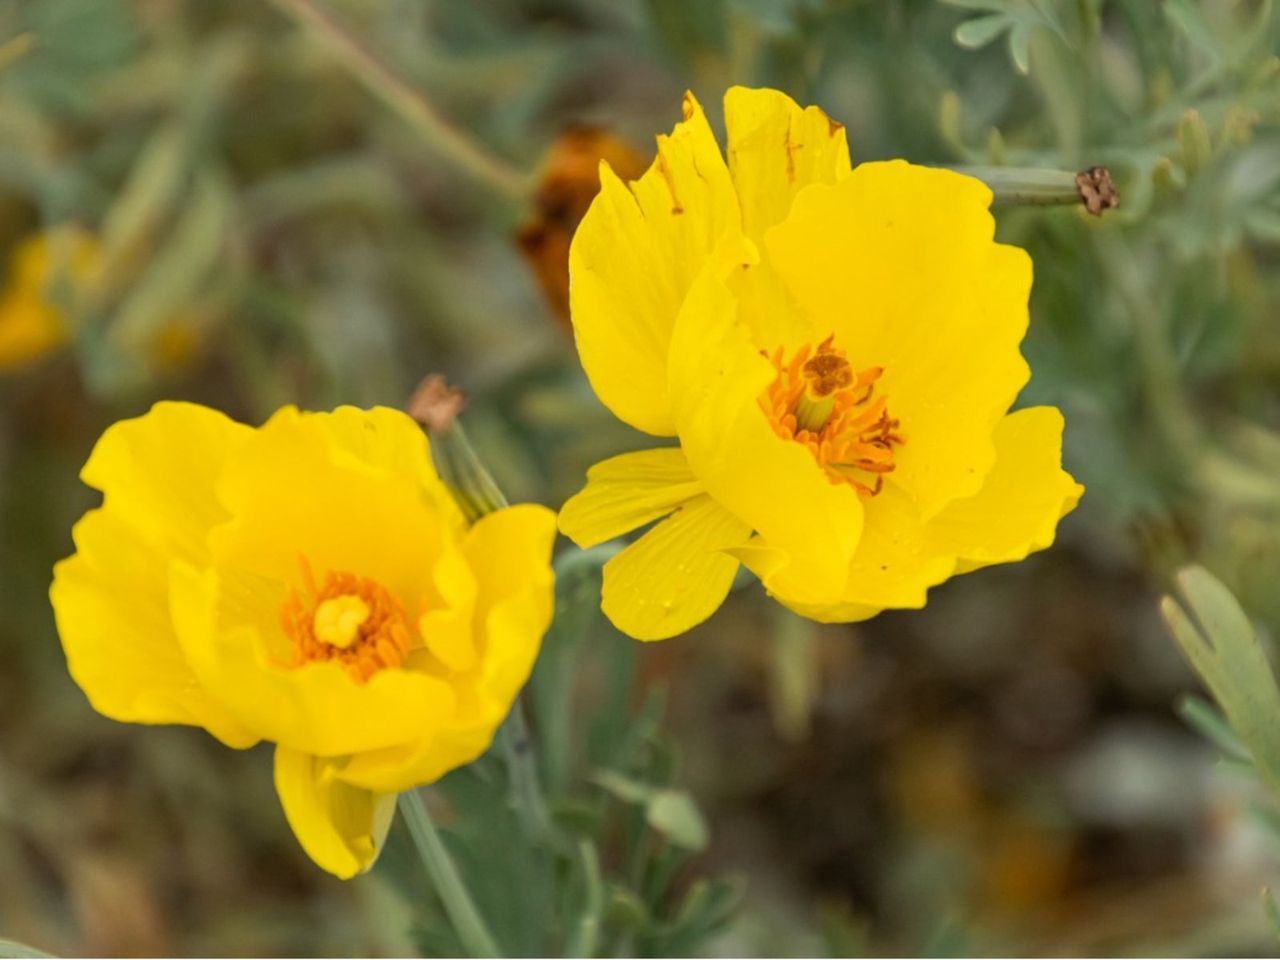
(686, 105)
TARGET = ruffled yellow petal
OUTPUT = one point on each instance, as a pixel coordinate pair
(158, 474)
(899, 262)
(775, 487)
(349, 491)
(447, 629)
(316, 708)
(676, 575)
(111, 599)
(341, 827)
(1016, 513)
(111, 603)
(387, 442)
(510, 553)
(633, 258)
(775, 149)
(626, 492)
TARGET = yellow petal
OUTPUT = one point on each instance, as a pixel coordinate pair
(387, 442)
(676, 575)
(351, 490)
(775, 149)
(899, 262)
(158, 473)
(341, 827)
(773, 486)
(111, 599)
(447, 629)
(626, 492)
(424, 761)
(633, 258)
(1016, 513)
(226, 622)
(509, 552)
(111, 604)
(1027, 492)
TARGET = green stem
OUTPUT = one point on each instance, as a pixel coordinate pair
(411, 105)
(517, 750)
(794, 680)
(1157, 362)
(587, 930)
(470, 927)
(1027, 186)
(577, 610)
(470, 483)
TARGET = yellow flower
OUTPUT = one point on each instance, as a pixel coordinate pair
(310, 583)
(835, 350)
(45, 271)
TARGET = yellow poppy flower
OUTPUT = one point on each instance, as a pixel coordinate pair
(33, 318)
(309, 583)
(835, 349)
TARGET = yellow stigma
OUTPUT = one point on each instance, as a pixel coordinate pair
(349, 620)
(338, 620)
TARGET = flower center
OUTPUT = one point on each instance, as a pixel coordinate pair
(351, 620)
(819, 400)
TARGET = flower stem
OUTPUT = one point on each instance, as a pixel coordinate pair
(1027, 185)
(517, 749)
(471, 484)
(450, 142)
(1032, 186)
(586, 932)
(470, 927)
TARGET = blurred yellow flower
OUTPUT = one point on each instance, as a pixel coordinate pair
(310, 583)
(33, 319)
(836, 351)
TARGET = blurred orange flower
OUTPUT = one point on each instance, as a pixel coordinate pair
(570, 181)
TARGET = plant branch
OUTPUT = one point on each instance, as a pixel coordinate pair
(366, 66)
(467, 922)
(1031, 186)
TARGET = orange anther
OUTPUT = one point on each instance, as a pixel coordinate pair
(382, 639)
(855, 443)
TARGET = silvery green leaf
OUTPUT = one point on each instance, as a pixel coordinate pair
(674, 814)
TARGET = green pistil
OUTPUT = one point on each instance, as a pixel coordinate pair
(813, 412)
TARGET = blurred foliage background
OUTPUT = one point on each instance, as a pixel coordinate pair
(199, 200)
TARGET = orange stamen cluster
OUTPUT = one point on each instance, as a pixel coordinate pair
(382, 640)
(855, 441)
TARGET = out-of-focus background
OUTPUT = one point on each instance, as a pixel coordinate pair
(201, 200)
